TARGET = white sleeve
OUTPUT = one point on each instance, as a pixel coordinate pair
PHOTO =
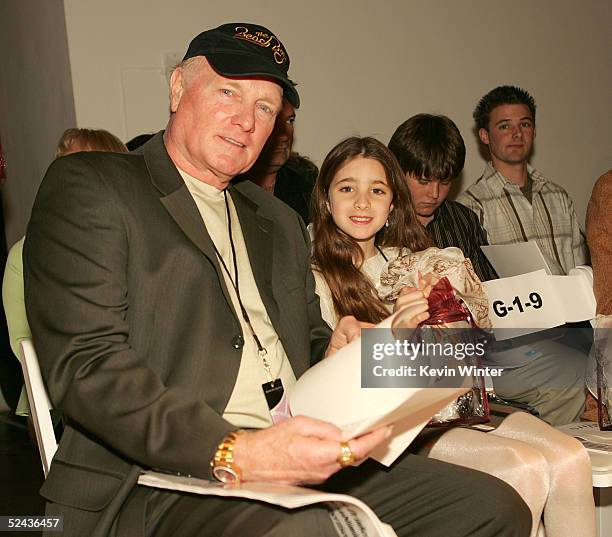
(327, 304)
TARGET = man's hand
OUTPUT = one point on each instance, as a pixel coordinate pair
(298, 450)
(347, 330)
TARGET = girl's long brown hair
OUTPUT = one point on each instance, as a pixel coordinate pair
(337, 256)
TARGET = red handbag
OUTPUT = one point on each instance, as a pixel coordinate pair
(451, 322)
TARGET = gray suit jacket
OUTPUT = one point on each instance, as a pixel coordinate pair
(137, 337)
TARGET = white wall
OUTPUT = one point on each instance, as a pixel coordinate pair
(36, 103)
(363, 67)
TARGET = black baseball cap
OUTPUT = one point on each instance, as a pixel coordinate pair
(245, 49)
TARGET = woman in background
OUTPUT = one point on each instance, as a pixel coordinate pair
(362, 219)
(75, 140)
(71, 141)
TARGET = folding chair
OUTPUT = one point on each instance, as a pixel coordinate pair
(40, 406)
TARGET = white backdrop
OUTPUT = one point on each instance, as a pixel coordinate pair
(363, 67)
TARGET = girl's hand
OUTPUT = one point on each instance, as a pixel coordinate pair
(408, 295)
(347, 330)
(411, 316)
(412, 303)
(427, 282)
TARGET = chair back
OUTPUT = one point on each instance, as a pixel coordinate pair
(40, 406)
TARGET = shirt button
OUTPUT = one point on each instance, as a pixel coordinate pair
(237, 342)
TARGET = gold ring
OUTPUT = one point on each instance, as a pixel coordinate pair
(346, 457)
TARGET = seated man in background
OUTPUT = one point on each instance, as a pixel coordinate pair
(431, 153)
(289, 176)
(545, 375)
(72, 141)
(514, 201)
(188, 302)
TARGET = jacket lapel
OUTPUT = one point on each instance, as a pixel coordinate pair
(256, 229)
(258, 237)
(179, 203)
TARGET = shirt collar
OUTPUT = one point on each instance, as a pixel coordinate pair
(438, 214)
(200, 188)
(498, 182)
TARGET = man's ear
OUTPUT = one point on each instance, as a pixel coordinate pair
(483, 134)
(176, 88)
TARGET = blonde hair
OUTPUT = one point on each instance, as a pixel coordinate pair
(88, 140)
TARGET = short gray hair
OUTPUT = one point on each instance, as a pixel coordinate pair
(190, 68)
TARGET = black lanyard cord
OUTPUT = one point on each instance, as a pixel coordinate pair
(235, 284)
(381, 252)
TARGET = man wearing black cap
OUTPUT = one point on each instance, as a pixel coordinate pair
(171, 310)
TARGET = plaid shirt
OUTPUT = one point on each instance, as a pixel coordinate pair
(508, 217)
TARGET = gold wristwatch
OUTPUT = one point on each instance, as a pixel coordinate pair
(223, 466)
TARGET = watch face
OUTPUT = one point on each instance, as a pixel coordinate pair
(225, 474)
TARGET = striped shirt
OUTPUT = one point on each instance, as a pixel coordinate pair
(549, 220)
(455, 225)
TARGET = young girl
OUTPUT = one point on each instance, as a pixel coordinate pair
(363, 218)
